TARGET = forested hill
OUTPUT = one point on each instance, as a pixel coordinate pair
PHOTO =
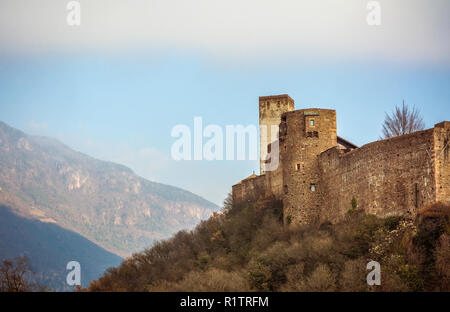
(247, 248)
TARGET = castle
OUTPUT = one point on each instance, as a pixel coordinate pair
(318, 173)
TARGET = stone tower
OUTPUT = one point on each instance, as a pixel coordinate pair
(270, 110)
(304, 135)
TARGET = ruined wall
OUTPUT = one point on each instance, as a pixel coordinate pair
(268, 184)
(442, 161)
(388, 177)
(251, 188)
(274, 180)
(304, 134)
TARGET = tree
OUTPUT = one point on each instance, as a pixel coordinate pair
(403, 120)
(13, 275)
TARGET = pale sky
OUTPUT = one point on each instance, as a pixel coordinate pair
(116, 85)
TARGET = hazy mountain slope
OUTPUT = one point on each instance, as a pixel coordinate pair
(105, 202)
(49, 248)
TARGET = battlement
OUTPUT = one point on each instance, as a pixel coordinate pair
(270, 98)
(444, 124)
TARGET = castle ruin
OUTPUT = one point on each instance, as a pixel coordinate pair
(319, 173)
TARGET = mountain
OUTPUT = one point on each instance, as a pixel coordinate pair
(42, 179)
(49, 248)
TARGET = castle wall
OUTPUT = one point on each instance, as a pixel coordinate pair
(442, 163)
(317, 178)
(274, 181)
(251, 188)
(388, 177)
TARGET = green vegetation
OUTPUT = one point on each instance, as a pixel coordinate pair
(354, 204)
(288, 219)
(247, 248)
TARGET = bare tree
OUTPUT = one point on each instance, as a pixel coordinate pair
(228, 203)
(13, 276)
(403, 120)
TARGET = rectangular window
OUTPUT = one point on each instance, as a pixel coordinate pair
(311, 122)
(313, 187)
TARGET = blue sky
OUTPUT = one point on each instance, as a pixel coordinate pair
(120, 104)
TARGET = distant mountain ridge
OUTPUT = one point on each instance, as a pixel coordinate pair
(41, 178)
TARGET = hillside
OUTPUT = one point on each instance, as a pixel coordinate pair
(42, 179)
(247, 248)
(49, 248)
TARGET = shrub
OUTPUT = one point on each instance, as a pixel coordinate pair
(203, 261)
(432, 222)
(392, 222)
(14, 275)
(443, 263)
(354, 206)
(266, 272)
(295, 276)
(211, 280)
(353, 277)
(321, 279)
(357, 234)
(288, 219)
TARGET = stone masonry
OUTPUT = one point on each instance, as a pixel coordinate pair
(319, 173)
